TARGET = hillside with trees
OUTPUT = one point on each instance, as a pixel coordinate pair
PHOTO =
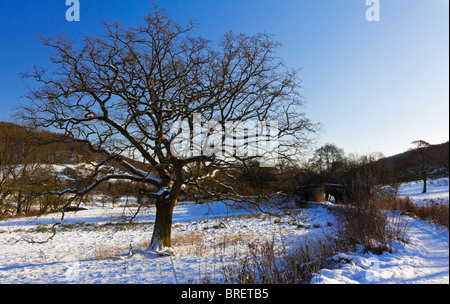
(422, 161)
(34, 164)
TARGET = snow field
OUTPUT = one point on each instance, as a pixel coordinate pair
(437, 189)
(93, 246)
(90, 248)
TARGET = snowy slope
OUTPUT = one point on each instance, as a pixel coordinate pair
(437, 189)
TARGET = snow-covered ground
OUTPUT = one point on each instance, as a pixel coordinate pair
(423, 260)
(437, 190)
(91, 246)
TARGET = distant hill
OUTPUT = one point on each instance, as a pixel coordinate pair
(442, 149)
(437, 159)
(36, 161)
(22, 145)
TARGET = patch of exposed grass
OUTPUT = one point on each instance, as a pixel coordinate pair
(434, 211)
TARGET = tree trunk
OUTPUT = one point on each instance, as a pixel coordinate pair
(19, 203)
(424, 185)
(163, 224)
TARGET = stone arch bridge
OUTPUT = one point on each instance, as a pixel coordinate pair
(321, 192)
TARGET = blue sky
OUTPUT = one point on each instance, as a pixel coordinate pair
(375, 86)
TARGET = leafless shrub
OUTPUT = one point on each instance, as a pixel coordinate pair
(269, 263)
(366, 226)
(371, 226)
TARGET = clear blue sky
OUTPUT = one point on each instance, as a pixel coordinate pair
(375, 86)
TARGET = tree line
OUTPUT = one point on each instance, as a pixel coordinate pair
(26, 157)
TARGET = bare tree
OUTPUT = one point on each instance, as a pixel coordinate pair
(421, 160)
(121, 93)
(328, 160)
(23, 172)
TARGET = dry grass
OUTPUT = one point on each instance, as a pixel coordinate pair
(370, 228)
(195, 243)
(106, 253)
(270, 263)
(187, 239)
(30, 213)
(367, 223)
(235, 239)
(190, 243)
(434, 211)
